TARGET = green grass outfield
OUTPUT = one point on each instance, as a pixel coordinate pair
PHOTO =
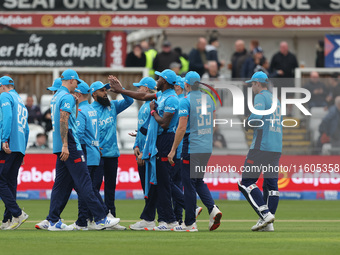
(302, 227)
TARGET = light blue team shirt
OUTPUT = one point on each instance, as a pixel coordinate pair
(15, 129)
(143, 115)
(199, 127)
(107, 116)
(167, 101)
(88, 132)
(0, 125)
(63, 101)
(269, 136)
(180, 146)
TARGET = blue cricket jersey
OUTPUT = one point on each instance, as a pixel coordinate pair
(107, 116)
(168, 102)
(63, 101)
(180, 146)
(0, 125)
(87, 132)
(15, 129)
(199, 130)
(269, 136)
(143, 115)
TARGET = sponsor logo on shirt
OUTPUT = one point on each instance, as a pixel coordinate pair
(106, 121)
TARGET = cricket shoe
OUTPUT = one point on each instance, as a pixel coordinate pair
(91, 225)
(116, 227)
(198, 211)
(5, 225)
(43, 225)
(107, 222)
(76, 227)
(163, 226)
(183, 228)
(143, 225)
(17, 221)
(59, 226)
(215, 218)
(268, 228)
(261, 223)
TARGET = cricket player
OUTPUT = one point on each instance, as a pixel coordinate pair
(88, 126)
(265, 150)
(71, 168)
(166, 115)
(14, 139)
(55, 86)
(196, 130)
(146, 85)
(176, 176)
(107, 114)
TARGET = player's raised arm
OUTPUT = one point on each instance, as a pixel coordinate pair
(117, 87)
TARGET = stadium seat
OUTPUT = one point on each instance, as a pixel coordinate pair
(50, 139)
(24, 98)
(127, 123)
(45, 101)
(130, 112)
(34, 130)
(318, 113)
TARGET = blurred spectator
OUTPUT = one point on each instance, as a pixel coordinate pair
(34, 113)
(251, 62)
(330, 126)
(320, 54)
(218, 139)
(136, 58)
(238, 58)
(283, 63)
(176, 67)
(47, 120)
(150, 54)
(40, 142)
(163, 60)
(184, 58)
(334, 89)
(198, 57)
(212, 54)
(263, 66)
(253, 44)
(212, 72)
(318, 91)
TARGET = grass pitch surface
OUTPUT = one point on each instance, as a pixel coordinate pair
(301, 227)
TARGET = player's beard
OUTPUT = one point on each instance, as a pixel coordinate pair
(103, 101)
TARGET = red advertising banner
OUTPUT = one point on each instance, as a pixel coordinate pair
(54, 20)
(39, 169)
(115, 49)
